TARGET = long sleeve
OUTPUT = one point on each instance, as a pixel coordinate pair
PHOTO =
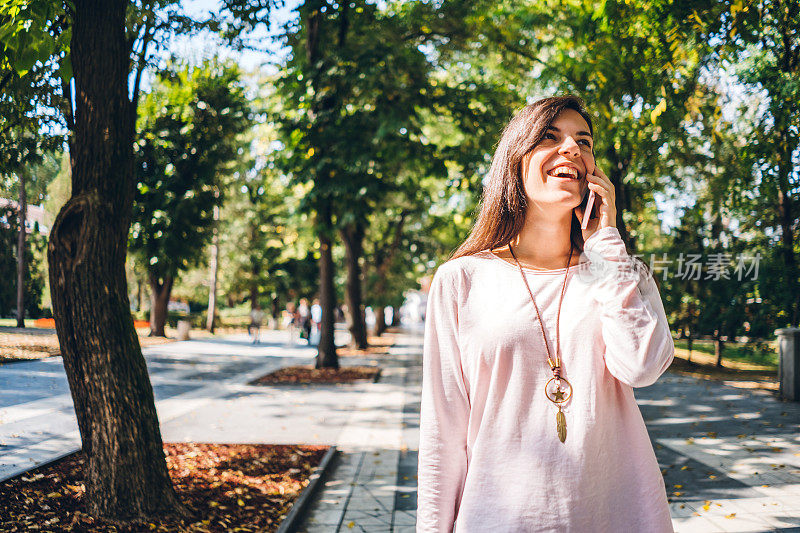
(639, 346)
(444, 412)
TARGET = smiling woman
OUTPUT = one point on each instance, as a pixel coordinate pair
(529, 423)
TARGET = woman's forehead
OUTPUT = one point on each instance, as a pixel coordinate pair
(569, 119)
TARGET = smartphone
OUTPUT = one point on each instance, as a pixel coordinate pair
(588, 202)
(588, 207)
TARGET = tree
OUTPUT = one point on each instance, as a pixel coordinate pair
(762, 45)
(29, 125)
(635, 62)
(189, 136)
(33, 275)
(355, 119)
(126, 473)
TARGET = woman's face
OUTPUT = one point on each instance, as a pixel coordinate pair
(567, 143)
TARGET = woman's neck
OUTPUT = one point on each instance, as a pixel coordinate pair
(544, 241)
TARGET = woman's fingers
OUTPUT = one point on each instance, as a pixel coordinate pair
(601, 180)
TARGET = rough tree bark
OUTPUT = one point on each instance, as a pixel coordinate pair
(353, 238)
(126, 473)
(23, 217)
(160, 291)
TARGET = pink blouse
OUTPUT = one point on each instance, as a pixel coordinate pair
(489, 454)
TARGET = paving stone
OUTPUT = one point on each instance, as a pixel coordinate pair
(694, 524)
(404, 518)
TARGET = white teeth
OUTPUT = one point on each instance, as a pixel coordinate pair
(564, 169)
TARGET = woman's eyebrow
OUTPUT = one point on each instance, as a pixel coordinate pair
(584, 133)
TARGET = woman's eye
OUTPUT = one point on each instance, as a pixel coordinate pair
(549, 136)
(587, 142)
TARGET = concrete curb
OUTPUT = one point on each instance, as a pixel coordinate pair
(295, 516)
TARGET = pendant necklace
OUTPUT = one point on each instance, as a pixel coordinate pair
(558, 390)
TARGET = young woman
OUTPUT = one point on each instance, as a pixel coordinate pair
(537, 331)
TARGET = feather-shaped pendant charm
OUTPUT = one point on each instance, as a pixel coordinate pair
(561, 425)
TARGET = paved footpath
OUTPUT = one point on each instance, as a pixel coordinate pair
(37, 418)
(731, 457)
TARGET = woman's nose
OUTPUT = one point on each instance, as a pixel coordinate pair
(570, 147)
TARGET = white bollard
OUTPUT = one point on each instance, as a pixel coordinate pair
(789, 363)
(183, 330)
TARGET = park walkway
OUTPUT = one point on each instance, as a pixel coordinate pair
(731, 457)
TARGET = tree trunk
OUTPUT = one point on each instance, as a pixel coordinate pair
(23, 216)
(719, 345)
(126, 474)
(160, 291)
(353, 238)
(395, 317)
(787, 145)
(255, 283)
(380, 320)
(615, 175)
(383, 258)
(786, 217)
(689, 343)
(253, 295)
(214, 266)
(326, 351)
(139, 294)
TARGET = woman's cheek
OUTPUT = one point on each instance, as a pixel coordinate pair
(588, 160)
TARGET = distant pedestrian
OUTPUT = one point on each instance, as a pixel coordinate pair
(289, 321)
(316, 322)
(305, 319)
(256, 319)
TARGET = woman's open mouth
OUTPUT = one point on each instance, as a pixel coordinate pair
(564, 172)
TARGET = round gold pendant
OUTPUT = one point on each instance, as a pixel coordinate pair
(558, 390)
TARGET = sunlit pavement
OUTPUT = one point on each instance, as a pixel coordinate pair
(731, 457)
(37, 418)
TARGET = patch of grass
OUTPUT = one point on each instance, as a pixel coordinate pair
(737, 372)
(759, 353)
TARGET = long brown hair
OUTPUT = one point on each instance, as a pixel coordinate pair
(503, 202)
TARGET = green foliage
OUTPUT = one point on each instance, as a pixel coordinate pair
(358, 118)
(33, 31)
(34, 273)
(189, 135)
(264, 240)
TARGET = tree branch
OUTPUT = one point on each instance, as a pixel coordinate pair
(141, 61)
